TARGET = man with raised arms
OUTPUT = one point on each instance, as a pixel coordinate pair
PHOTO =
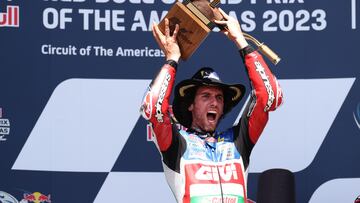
(200, 163)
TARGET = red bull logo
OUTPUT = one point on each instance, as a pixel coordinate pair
(37, 197)
(10, 18)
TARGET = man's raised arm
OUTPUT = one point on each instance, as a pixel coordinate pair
(155, 104)
(266, 93)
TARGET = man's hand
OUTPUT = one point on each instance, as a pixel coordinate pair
(233, 30)
(167, 43)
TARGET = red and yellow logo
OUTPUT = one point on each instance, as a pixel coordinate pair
(10, 18)
(37, 197)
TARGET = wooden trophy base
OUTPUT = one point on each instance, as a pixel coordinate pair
(192, 30)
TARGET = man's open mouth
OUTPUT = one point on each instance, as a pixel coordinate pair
(211, 116)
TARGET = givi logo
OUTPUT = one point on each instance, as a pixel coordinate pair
(226, 173)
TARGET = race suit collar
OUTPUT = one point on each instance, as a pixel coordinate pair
(201, 133)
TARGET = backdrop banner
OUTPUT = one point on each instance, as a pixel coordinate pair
(73, 74)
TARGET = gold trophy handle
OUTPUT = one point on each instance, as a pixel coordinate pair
(270, 54)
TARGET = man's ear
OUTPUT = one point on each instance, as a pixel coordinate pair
(191, 107)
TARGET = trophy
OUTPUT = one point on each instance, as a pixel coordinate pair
(196, 20)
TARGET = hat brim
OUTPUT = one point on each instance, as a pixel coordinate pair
(185, 92)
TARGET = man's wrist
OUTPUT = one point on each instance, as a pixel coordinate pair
(241, 42)
(172, 63)
(246, 50)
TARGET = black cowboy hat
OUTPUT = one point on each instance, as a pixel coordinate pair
(185, 93)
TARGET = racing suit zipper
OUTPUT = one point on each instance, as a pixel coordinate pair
(213, 151)
(221, 190)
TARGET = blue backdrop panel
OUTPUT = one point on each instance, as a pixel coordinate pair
(73, 73)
